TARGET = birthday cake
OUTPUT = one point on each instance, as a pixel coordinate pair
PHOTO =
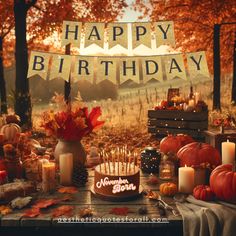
(117, 180)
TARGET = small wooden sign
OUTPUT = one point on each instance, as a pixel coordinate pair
(172, 92)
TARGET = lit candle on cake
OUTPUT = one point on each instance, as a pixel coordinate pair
(129, 161)
(113, 161)
(135, 155)
(228, 152)
(118, 164)
(100, 166)
(108, 162)
(104, 164)
(48, 177)
(66, 168)
(186, 179)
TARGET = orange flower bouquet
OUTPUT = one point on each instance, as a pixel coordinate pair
(71, 125)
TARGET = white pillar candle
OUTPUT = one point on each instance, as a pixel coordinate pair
(66, 168)
(228, 152)
(48, 177)
(40, 164)
(186, 179)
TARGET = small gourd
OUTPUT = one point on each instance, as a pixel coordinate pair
(10, 131)
(168, 189)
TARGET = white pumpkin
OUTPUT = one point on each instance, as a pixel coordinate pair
(10, 132)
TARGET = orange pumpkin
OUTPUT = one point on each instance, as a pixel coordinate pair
(168, 189)
(203, 192)
(223, 182)
(199, 154)
(173, 143)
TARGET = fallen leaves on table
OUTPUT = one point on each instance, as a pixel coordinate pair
(66, 198)
(152, 195)
(62, 210)
(45, 203)
(69, 190)
(4, 210)
(121, 211)
(20, 202)
(86, 212)
(31, 213)
(152, 180)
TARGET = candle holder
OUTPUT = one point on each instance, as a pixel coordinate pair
(150, 160)
(166, 170)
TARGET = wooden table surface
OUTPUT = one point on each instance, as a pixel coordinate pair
(101, 209)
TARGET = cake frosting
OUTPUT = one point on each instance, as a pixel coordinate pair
(117, 180)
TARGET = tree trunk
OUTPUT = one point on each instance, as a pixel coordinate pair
(216, 63)
(67, 86)
(234, 76)
(22, 95)
(3, 109)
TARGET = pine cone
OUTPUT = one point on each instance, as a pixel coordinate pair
(80, 176)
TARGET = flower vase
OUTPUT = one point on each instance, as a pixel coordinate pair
(74, 147)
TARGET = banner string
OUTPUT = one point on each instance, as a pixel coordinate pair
(79, 55)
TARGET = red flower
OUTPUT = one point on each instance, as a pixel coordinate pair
(72, 125)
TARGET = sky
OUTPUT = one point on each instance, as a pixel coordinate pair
(131, 15)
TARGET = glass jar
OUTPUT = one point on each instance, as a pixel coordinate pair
(14, 169)
(150, 160)
(166, 170)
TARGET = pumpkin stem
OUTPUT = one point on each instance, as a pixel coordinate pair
(200, 145)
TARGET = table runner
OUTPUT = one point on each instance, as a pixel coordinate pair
(207, 218)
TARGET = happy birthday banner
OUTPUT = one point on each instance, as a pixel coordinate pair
(140, 69)
(117, 33)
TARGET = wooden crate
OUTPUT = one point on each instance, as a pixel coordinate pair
(163, 122)
(215, 138)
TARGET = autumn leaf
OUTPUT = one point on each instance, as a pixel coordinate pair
(69, 190)
(31, 213)
(86, 212)
(66, 198)
(152, 195)
(121, 211)
(45, 203)
(62, 210)
(4, 210)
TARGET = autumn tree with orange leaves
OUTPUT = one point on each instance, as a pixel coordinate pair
(194, 22)
(39, 19)
(6, 17)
